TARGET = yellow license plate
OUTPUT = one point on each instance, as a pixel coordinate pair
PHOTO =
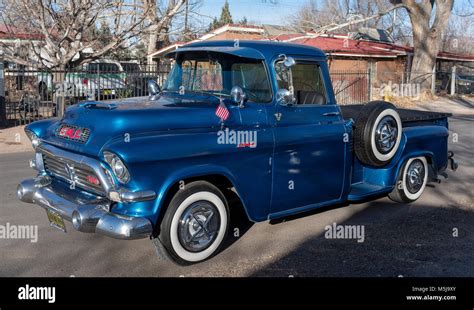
(107, 92)
(56, 220)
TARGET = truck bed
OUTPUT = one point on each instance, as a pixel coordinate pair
(407, 115)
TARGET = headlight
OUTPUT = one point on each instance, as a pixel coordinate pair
(118, 167)
(35, 141)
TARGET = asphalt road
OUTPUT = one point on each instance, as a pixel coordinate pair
(400, 240)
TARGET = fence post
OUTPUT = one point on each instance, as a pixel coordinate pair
(453, 80)
(3, 106)
(58, 96)
(433, 80)
(371, 79)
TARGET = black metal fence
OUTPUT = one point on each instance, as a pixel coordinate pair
(34, 94)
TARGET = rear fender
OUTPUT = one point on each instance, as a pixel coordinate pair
(426, 141)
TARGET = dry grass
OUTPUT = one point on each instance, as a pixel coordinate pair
(412, 102)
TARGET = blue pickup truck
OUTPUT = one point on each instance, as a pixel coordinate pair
(255, 122)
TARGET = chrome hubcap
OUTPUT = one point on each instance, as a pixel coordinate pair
(386, 134)
(415, 176)
(198, 226)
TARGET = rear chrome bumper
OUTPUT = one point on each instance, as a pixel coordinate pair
(453, 165)
(86, 214)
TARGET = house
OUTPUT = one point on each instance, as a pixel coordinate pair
(362, 62)
(226, 32)
(14, 40)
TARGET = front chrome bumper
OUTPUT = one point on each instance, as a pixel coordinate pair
(85, 213)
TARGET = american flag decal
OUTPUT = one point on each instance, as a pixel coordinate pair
(222, 111)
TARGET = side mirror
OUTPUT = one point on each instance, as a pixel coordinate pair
(285, 97)
(289, 62)
(238, 96)
(153, 88)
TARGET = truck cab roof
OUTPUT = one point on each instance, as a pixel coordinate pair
(266, 48)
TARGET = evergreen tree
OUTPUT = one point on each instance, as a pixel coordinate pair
(243, 21)
(225, 18)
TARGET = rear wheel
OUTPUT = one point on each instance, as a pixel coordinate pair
(411, 181)
(195, 223)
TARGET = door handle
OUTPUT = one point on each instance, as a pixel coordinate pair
(331, 114)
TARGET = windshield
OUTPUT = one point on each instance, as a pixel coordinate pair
(216, 73)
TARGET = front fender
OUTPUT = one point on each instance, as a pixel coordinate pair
(192, 172)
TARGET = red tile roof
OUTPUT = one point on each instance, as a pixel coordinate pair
(12, 32)
(343, 46)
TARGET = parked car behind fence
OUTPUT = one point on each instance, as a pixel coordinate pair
(99, 80)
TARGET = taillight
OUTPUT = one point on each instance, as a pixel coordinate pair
(85, 81)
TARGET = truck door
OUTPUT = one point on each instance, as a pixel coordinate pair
(310, 140)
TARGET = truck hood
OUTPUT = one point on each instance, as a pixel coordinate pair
(122, 119)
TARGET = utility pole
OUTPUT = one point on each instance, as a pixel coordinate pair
(3, 108)
(186, 20)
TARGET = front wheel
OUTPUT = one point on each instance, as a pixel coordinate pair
(195, 223)
(411, 181)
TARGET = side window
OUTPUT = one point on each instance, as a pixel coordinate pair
(93, 68)
(187, 68)
(282, 75)
(201, 75)
(209, 76)
(307, 81)
(252, 78)
(108, 68)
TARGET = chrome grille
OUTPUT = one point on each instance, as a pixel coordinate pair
(68, 170)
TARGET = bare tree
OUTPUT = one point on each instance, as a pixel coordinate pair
(428, 21)
(319, 16)
(67, 27)
(159, 15)
(459, 33)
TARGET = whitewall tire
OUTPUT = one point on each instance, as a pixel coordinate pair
(377, 133)
(195, 223)
(411, 181)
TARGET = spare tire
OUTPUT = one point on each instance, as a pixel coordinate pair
(377, 133)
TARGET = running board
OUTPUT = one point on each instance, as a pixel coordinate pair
(364, 190)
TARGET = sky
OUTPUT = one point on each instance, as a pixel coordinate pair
(263, 11)
(259, 11)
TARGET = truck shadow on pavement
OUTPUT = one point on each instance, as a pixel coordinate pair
(399, 240)
(239, 223)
